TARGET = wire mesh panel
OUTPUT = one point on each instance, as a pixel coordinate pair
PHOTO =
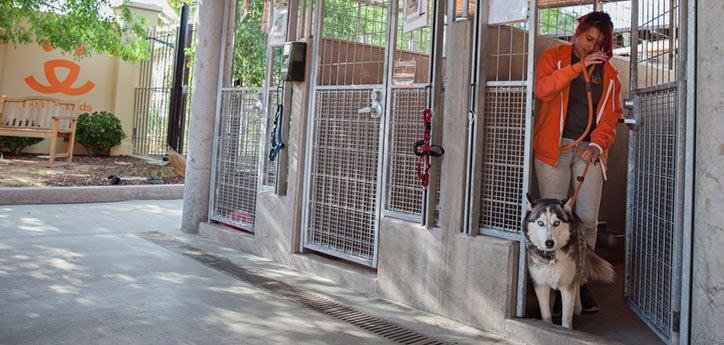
(652, 218)
(410, 92)
(503, 126)
(503, 158)
(404, 192)
(342, 201)
(657, 42)
(237, 158)
(654, 227)
(345, 130)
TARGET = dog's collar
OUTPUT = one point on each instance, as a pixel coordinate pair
(549, 256)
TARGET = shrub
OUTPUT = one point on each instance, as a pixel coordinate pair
(99, 132)
(17, 144)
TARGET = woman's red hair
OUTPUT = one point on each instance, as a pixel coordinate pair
(602, 22)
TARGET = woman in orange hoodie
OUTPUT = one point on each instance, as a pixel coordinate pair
(575, 127)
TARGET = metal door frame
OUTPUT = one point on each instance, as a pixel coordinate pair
(303, 245)
(263, 98)
(685, 85)
(434, 102)
(474, 181)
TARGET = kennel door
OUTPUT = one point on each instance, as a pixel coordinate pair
(344, 137)
(654, 219)
(238, 170)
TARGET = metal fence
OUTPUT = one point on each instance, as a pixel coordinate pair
(150, 120)
(410, 92)
(405, 195)
(342, 194)
(656, 157)
(503, 159)
(345, 150)
(503, 163)
(652, 218)
(152, 99)
(235, 176)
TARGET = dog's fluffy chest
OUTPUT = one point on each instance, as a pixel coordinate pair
(557, 274)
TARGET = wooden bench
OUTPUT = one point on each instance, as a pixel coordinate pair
(40, 117)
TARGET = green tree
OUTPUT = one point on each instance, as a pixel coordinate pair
(78, 27)
(250, 46)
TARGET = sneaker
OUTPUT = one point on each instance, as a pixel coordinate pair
(557, 303)
(587, 302)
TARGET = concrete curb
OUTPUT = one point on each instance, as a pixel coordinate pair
(69, 195)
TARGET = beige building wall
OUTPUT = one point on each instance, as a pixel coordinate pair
(114, 81)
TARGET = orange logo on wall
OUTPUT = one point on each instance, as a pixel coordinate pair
(57, 86)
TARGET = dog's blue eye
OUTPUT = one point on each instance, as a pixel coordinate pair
(556, 223)
(540, 222)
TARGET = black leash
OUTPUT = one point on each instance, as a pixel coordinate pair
(276, 134)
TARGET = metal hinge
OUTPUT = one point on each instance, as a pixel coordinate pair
(676, 321)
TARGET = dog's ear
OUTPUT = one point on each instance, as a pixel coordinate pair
(567, 203)
(529, 202)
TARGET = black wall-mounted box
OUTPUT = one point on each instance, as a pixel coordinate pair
(293, 61)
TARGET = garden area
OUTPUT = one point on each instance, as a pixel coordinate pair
(26, 170)
(97, 133)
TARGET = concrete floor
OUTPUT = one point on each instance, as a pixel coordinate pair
(77, 274)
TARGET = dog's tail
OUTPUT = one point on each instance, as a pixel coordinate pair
(598, 268)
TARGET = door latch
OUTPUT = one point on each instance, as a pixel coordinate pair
(375, 109)
(630, 121)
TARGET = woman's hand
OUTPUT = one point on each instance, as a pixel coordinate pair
(590, 154)
(595, 58)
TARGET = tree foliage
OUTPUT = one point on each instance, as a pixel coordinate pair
(250, 47)
(78, 27)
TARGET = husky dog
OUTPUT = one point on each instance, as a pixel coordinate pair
(559, 257)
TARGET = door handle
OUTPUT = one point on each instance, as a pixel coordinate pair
(375, 110)
(630, 122)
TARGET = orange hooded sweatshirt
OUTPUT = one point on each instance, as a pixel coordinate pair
(554, 74)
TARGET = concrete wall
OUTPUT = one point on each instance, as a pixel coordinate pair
(114, 82)
(708, 262)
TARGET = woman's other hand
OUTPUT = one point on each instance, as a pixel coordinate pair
(590, 154)
(595, 58)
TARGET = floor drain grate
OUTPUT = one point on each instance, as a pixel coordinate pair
(324, 305)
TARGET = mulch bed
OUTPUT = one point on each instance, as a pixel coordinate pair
(26, 170)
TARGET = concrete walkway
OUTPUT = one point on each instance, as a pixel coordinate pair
(79, 274)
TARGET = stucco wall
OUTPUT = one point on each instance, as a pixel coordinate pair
(708, 261)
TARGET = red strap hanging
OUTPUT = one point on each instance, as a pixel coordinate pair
(424, 150)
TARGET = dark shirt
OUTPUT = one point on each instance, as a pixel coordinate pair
(577, 115)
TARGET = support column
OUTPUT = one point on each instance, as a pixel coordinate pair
(203, 114)
(707, 304)
(457, 88)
